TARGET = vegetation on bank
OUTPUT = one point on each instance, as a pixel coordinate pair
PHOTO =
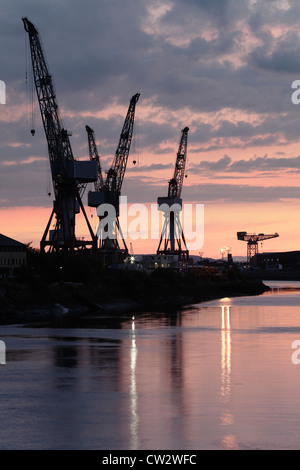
(79, 284)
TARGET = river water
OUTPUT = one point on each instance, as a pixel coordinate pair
(217, 375)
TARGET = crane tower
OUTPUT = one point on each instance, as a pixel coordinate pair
(68, 174)
(172, 239)
(109, 192)
(252, 242)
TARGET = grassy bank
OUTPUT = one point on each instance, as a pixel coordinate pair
(80, 285)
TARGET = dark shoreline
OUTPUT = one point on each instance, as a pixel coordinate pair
(58, 289)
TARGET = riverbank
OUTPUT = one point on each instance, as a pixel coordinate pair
(275, 274)
(57, 287)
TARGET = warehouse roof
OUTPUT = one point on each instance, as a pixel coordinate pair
(6, 241)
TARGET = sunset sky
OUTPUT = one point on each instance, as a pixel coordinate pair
(224, 68)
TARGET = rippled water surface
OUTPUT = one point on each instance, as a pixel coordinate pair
(216, 375)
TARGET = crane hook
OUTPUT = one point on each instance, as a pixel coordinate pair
(32, 132)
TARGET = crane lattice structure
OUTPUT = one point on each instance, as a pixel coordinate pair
(94, 156)
(68, 174)
(172, 241)
(252, 242)
(109, 192)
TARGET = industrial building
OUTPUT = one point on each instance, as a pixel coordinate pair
(277, 260)
(161, 261)
(12, 255)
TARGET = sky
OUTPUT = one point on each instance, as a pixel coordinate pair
(224, 68)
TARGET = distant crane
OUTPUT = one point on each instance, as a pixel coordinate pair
(172, 237)
(68, 175)
(252, 242)
(109, 192)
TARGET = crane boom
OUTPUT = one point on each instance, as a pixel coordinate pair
(252, 237)
(68, 175)
(59, 148)
(176, 183)
(94, 156)
(115, 175)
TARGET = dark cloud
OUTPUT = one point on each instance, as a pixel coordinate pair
(283, 59)
(257, 164)
(207, 193)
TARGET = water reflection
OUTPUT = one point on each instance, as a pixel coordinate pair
(282, 288)
(216, 375)
(227, 418)
(134, 418)
(225, 353)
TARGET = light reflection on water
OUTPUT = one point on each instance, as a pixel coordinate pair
(216, 375)
(229, 441)
(134, 440)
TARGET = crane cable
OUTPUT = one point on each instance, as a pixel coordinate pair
(136, 145)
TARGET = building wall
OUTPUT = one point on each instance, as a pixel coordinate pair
(12, 257)
(288, 259)
(160, 261)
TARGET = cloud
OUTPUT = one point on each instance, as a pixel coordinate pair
(150, 168)
(282, 59)
(230, 193)
(223, 68)
(255, 164)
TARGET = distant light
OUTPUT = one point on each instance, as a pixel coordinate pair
(225, 299)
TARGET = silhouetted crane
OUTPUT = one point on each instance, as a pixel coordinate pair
(172, 237)
(109, 192)
(252, 242)
(68, 175)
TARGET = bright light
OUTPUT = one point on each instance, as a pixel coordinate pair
(225, 299)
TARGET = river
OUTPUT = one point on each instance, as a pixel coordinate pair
(217, 375)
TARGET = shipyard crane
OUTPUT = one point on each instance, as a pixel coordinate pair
(94, 156)
(109, 192)
(252, 240)
(172, 239)
(68, 174)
